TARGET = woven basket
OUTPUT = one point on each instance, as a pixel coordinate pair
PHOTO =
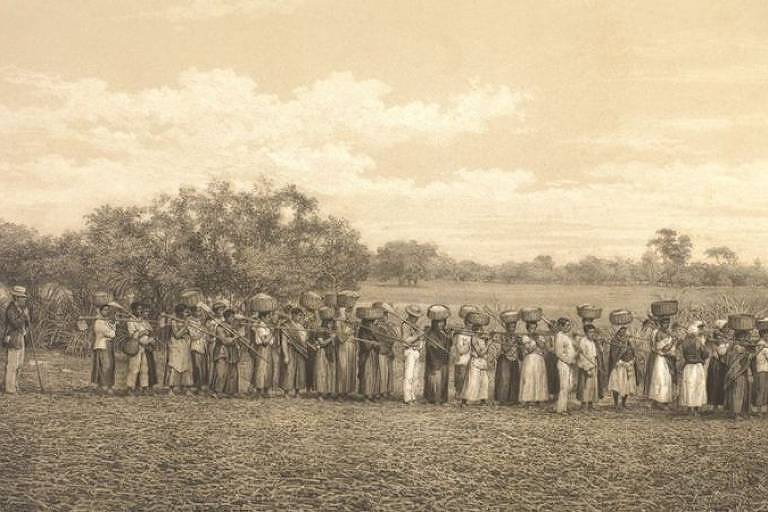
(478, 318)
(621, 317)
(347, 298)
(664, 308)
(741, 322)
(589, 312)
(192, 297)
(509, 316)
(262, 303)
(438, 312)
(331, 300)
(369, 313)
(465, 309)
(100, 299)
(311, 301)
(531, 314)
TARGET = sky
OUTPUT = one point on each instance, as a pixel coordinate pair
(497, 130)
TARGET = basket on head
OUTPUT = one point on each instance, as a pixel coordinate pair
(509, 316)
(465, 309)
(100, 299)
(478, 319)
(438, 312)
(664, 308)
(621, 317)
(741, 322)
(531, 314)
(331, 300)
(589, 312)
(369, 313)
(192, 297)
(326, 313)
(761, 324)
(347, 298)
(262, 303)
(311, 301)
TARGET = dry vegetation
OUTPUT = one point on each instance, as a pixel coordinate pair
(71, 450)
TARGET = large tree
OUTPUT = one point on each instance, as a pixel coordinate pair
(407, 261)
(722, 255)
(674, 250)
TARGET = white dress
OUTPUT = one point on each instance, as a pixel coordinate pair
(476, 383)
(533, 373)
(661, 387)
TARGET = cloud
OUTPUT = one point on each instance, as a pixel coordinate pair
(196, 10)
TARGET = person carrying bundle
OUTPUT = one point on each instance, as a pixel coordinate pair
(622, 381)
(263, 339)
(660, 374)
(461, 348)
(139, 373)
(693, 385)
(225, 378)
(437, 355)
(507, 381)
(413, 343)
(476, 384)
(718, 348)
(103, 368)
(533, 372)
(588, 390)
(180, 352)
(346, 359)
(387, 333)
(293, 340)
(324, 345)
(565, 351)
(370, 381)
(199, 349)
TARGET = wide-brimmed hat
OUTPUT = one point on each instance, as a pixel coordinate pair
(414, 310)
(19, 291)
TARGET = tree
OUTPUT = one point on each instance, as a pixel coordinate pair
(722, 255)
(406, 261)
(674, 250)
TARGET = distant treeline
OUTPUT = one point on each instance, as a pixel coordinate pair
(667, 262)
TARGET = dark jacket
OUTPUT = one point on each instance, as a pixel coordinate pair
(16, 326)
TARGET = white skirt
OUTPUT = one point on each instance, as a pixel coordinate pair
(622, 380)
(476, 384)
(661, 381)
(533, 379)
(693, 387)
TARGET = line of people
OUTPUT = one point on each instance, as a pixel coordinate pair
(331, 349)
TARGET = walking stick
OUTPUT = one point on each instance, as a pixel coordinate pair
(34, 358)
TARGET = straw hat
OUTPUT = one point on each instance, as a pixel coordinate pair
(19, 291)
(414, 310)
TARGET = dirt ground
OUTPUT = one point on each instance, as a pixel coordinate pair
(72, 450)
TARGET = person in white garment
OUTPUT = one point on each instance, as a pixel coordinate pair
(476, 384)
(661, 367)
(588, 390)
(693, 385)
(180, 352)
(533, 371)
(565, 351)
(413, 343)
(461, 348)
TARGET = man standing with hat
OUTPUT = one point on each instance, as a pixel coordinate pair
(566, 354)
(387, 333)
(14, 339)
(411, 335)
(103, 368)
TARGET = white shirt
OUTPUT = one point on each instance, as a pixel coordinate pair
(462, 343)
(564, 348)
(761, 358)
(102, 331)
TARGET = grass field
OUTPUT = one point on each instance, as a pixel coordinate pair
(70, 449)
(555, 300)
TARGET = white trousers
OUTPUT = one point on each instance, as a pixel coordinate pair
(565, 372)
(410, 374)
(138, 369)
(13, 366)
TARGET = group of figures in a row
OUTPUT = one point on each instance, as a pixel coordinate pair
(328, 347)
